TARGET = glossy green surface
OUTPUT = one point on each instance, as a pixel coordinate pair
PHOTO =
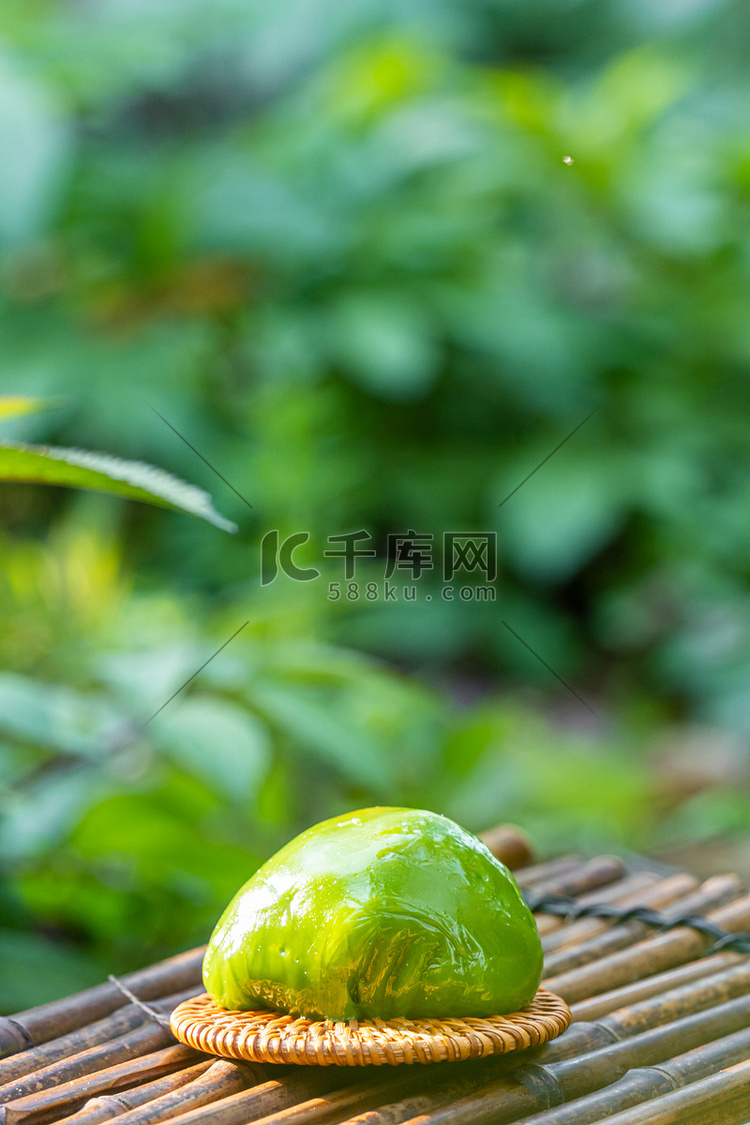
(384, 912)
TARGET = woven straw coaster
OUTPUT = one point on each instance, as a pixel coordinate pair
(265, 1036)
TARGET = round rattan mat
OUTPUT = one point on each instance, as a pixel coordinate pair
(265, 1036)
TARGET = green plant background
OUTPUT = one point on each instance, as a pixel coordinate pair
(337, 246)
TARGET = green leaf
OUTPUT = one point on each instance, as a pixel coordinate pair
(12, 405)
(38, 819)
(566, 513)
(226, 747)
(147, 677)
(54, 716)
(316, 726)
(33, 126)
(76, 468)
(385, 342)
(37, 970)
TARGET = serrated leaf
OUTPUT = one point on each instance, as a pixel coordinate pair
(77, 468)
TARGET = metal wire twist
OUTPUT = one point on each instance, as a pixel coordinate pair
(565, 907)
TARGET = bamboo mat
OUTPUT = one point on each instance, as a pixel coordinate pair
(660, 1033)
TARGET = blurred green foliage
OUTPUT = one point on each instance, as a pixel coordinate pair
(128, 840)
(337, 246)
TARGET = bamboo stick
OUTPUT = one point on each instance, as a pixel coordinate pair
(710, 992)
(587, 876)
(338, 1103)
(222, 1077)
(502, 1101)
(107, 1106)
(532, 1087)
(642, 1084)
(652, 1012)
(628, 1022)
(722, 1099)
(609, 1037)
(623, 892)
(578, 1076)
(715, 892)
(111, 1027)
(51, 1102)
(663, 951)
(37, 1025)
(13, 1037)
(149, 1037)
(538, 872)
(655, 894)
(702, 1061)
(421, 1102)
(605, 1002)
(272, 1097)
(509, 844)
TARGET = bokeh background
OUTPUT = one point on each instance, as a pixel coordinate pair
(338, 247)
